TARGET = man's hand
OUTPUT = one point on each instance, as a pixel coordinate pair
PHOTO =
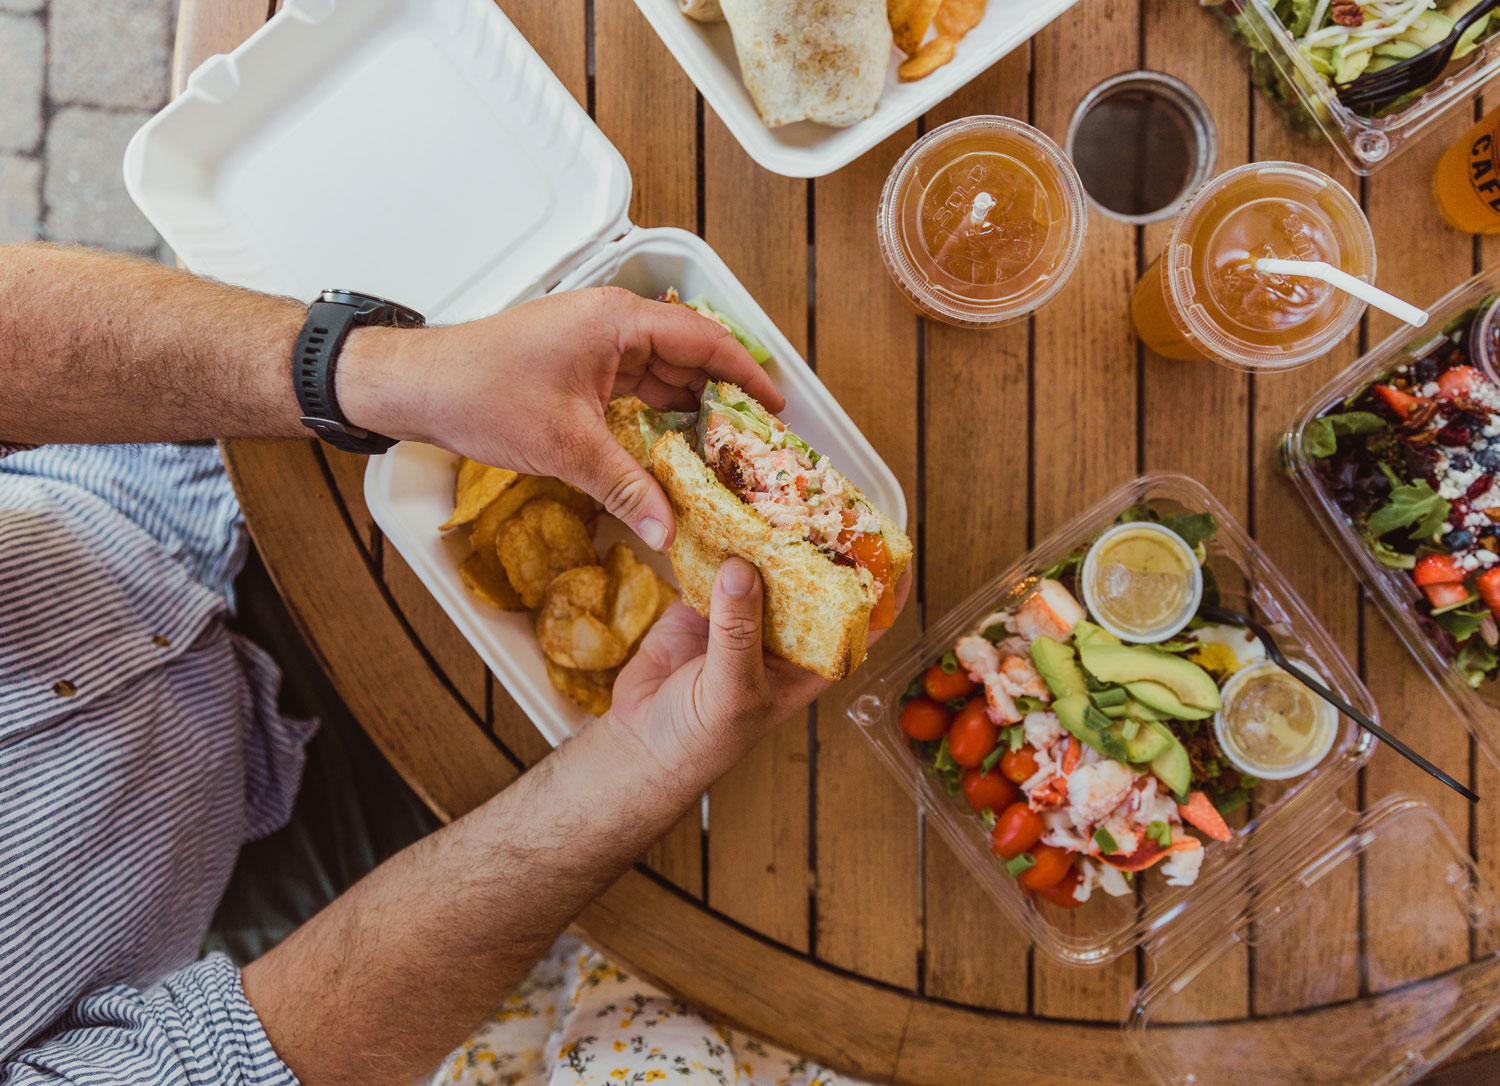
(526, 389)
(701, 692)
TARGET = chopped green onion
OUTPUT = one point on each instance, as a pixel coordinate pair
(987, 816)
(995, 633)
(1114, 695)
(942, 760)
(1161, 833)
(991, 758)
(1022, 863)
(1232, 800)
(1106, 840)
(1028, 704)
(1017, 737)
(956, 704)
(1095, 719)
(1130, 729)
(949, 663)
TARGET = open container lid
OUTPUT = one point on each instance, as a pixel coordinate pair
(1362, 1013)
(339, 192)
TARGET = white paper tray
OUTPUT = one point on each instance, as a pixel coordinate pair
(409, 490)
(706, 53)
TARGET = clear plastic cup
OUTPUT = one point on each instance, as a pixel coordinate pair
(982, 222)
(1200, 300)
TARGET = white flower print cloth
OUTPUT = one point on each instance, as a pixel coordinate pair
(578, 1021)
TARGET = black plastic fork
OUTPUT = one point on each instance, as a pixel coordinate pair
(1235, 618)
(1375, 89)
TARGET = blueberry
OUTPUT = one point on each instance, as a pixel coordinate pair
(1461, 462)
(1424, 370)
(1459, 539)
(1489, 459)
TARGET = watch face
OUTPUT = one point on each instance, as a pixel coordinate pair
(393, 312)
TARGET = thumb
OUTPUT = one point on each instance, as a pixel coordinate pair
(734, 674)
(627, 490)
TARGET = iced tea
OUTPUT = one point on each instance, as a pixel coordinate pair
(1203, 297)
(982, 221)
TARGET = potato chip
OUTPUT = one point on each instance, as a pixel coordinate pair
(526, 488)
(476, 487)
(544, 539)
(957, 17)
(632, 603)
(570, 625)
(484, 575)
(589, 690)
(909, 21)
(934, 55)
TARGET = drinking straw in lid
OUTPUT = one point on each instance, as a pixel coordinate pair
(1365, 292)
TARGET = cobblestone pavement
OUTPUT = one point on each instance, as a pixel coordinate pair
(77, 78)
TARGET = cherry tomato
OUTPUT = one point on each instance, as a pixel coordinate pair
(1489, 589)
(942, 686)
(1016, 829)
(1052, 864)
(990, 790)
(1018, 765)
(973, 735)
(923, 718)
(1061, 893)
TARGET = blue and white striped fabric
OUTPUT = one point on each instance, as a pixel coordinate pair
(140, 746)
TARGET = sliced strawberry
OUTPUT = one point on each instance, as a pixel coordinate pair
(1489, 589)
(1200, 813)
(1446, 595)
(1459, 381)
(1403, 403)
(1437, 569)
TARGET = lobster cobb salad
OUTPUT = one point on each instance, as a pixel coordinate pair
(1345, 39)
(1091, 757)
(1412, 460)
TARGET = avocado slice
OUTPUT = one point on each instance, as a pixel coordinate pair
(1166, 704)
(1470, 41)
(1149, 743)
(1072, 712)
(1398, 48)
(1136, 710)
(1172, 767)
(1058, 667)
(1086, 633)
(1189, 684)
(1347, 67)
(1429, 29)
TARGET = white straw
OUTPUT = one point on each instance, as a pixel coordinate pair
(1321, 269)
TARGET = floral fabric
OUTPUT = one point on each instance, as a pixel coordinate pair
(578, 1021)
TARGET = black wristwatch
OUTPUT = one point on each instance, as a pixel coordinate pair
(330, 319)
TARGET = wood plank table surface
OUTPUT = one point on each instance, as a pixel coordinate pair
(815, 910)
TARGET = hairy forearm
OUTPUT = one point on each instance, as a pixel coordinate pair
(396, 972)
(99, 348)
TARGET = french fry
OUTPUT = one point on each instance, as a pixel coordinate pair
(933, 55)
(909, 21)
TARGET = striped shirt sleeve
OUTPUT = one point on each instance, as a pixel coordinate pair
(194, 1028)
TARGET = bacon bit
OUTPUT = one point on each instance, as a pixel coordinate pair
(1347, 13)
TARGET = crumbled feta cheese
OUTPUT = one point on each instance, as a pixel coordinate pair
(1468, 562)
(1430, 389)
(1487, 558)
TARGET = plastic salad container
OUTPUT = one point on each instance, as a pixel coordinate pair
(499, 189)
(1294, 84)
(1467, 679)
(1294, 849)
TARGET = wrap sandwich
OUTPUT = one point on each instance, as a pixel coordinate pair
(742, 484)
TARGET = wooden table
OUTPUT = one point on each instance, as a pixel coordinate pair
(815, 911)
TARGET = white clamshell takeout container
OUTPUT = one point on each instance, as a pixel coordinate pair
(706, 53)
(420, 150)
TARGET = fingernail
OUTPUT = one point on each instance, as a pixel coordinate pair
(738, 579)
(654, 532)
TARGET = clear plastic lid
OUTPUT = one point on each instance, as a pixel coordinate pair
(1360, 1012)
(1106, 927)
(1306, 98)
(1393, 589)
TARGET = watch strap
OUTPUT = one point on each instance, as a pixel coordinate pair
(329, 321)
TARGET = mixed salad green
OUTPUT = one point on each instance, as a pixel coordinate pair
(1413, 461)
